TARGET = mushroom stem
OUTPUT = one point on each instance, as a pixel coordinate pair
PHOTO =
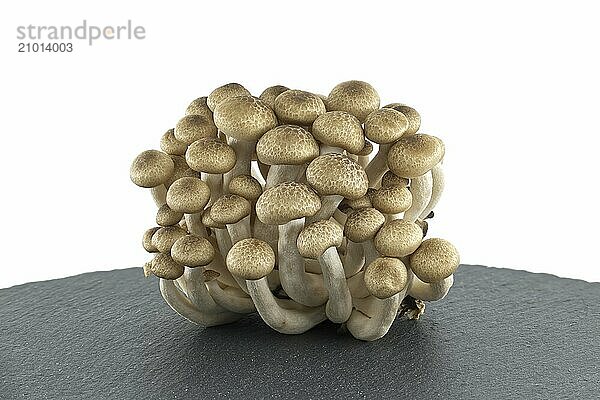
(182, 306)
(230, 298)
(283, 320)
(240, 230)
(372, 317)
(264, 171)
(159, 195)
(223, 241)
(266, 233)
(430, 291)
(194, 224)
(339, 305)
(214, 182)
(354, 259)
(363, 161)
(340, 217)
(324, 149)
(329, 204)
(420, 188)
(357, 287)
(437, 187)
(378, 165)
(197, 291)
(305, 288)
(370, 251)
(243, 164)
(282, 173)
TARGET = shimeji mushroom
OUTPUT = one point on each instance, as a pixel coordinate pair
(361, 227)
(414, 119)
(165, 216)
(338, 131)
(170, 145)
(244, 119)
(320, 240)
(392, 200)
(189, 195)
(164, 238)
(389, 179)
(433, 263)
(437, 187)
(163, 266)
(355, 97)
(147, 240)
(151, 169)
(297, 107)
(386, 279)
(223, 93)
(199, 107)
(270, 94)
(384, 126)
(363, 155)
(234, 212)
(193, 127)
(398, 238)
(286, 148)
(212, 158)
(221, 235)
(252, 260)
(335, 177)
(287, 205)
(228, 297)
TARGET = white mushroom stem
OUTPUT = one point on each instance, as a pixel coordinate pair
(240, 230)
(283, 173)
(194, 224)
(420, 188)
(339, 305)
(273, 279)
(370, 251)
(182, 305)
(357, 287)
(430, 291)
(215, 183)
(372, 317)
(437, 188)
(223, 241)
(257, 172)
(218, 264)
(354, 259)
(159, 195)
(312, 266)
(378, 165)
(363, 161)
(303, 287)
(340, 217)
(285, 320)
(324, 149)
(197, 292)
(328, 206)
(266, 233)
(230, 298)
(243, 164)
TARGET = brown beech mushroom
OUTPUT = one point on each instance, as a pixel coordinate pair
(234, 212)
(199, 107)
(339, 131)
(414, 119)
(170, 145)
(229, 297)
(165, 216)
(355, 97)
(189, 195)
(164, 238)
(320, 240)
(270, 94)
(193, 127)
(225, 92)
(163, 266)
(392, 200)
(192, 251)
(152, 169)
(363, 155)
(389, 179)
(361, 227)
(298, 107)
(398, 238)
(147, 240)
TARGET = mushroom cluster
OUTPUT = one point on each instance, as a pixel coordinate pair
(276, 205)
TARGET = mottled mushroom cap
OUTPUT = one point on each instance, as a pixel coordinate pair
(361, 202)
(385, 277)
(251, 259)
(398, 238)
(170, 145)
(229, 209)
(285, 202)
(355, 97)
(389, 179)
(363, 224)
(287, 145)
(385, 125)
(414, 155)
(392, 199)
(188, 195)
(270, 94)
(164, 238)
(434, 260)
(165, 267)
(336, 174)
(298, 107)
(165, 216)
(210, 155)
(366, 150)
(147, 240)
(317, 237)
(225, 92)
(208, 222)
(199, 107)
(192, 251)
(244, 117)
(193, 127)
(339, 129)
(246, 186)
(151, 168)
(414, 119)
(182, 169)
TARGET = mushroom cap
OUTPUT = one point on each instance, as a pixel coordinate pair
(298, 107)
(339, 129)
(151, 168)
(385, 125)
(270, 94)
(414, 119)
(251, 259)
(392, 199)
(199, 107)
(210, 155)
(193, 127)
(366, 150)
(192, 251)
(434, 260)
(170, 145)
(229, 209)
(188, 195)
(164, 238)
(182, 169)
(208, 222)
(246, 186)
(385, 276)
(244, 117)
(210, 275)
(356, 97)
(361, 202)
(363, 224)
(225, 92)
(165, 216)
(389, 179)
(147, 240)
(336, 174)
(398, 238)
(317, 237)
(285, 202)
(287, 145)
(165, 267)
(414, 155)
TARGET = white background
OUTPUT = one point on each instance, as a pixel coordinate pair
(512, 87)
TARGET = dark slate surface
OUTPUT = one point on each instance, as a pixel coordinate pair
(109, 335)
